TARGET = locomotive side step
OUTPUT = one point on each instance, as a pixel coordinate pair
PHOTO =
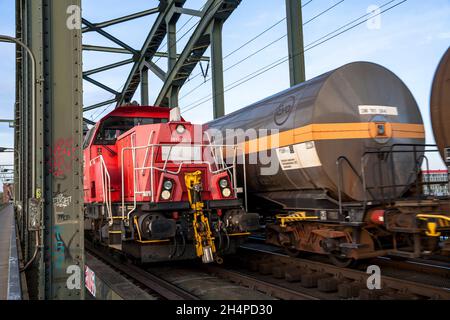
(115, 233)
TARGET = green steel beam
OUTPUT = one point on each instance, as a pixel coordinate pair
(99, 105)
(214, 10)
(191, 12)
(295, 41)
(108, 36)
(100, 85)
(108, 67)
(9, 122)
(87, 47)
(153, 41)
(92, 123)
(122, 19)
(156, 70)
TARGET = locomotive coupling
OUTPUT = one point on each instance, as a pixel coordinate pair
(204, 241)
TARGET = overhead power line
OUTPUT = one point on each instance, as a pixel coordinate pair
(312, 45)
(251, 40)
(263, 48)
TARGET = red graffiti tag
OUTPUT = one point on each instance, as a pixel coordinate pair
(61, 157)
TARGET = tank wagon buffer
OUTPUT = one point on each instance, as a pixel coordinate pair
(158, 191)
(346, 151)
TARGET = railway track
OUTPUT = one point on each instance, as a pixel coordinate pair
(432, 266)
(272, 289)
(325, 281)
(275, 275)
(156, 285)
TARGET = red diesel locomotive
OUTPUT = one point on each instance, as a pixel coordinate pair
(156, 189)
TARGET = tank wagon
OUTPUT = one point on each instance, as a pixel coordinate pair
(156, 190)
(335, 166)
(440, 106)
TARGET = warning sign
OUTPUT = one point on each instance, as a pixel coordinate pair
(299, 156)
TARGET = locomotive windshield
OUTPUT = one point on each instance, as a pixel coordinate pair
(113, 127)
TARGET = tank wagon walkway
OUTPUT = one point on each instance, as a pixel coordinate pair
(9, 270)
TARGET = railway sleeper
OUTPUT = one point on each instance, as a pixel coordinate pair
(293, 274)
(349, 290)
(311, 280)
(328, 285)
(266, 268)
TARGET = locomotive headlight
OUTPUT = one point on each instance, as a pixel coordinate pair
(165, 195)
(223, 183)
(168, 185)
(181, 129)
(226, 192)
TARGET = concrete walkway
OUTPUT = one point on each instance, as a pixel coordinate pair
(6, 221)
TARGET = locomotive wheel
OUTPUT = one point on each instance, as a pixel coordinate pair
(341, 262)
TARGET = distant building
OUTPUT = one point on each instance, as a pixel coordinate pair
(8, 192)
(441, 178)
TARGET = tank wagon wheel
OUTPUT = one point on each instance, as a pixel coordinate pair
(341, 262)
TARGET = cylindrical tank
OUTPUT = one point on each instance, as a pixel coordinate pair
(358, 108)
(440, 104)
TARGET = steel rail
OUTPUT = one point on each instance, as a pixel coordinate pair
(400, 285)
(260, 285)
(163, 288)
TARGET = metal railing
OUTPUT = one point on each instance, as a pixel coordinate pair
(215, 167)
(386, 160)
(106, 186)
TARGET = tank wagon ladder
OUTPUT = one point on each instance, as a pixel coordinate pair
(386, 157)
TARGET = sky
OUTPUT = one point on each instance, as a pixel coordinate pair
(410, 41)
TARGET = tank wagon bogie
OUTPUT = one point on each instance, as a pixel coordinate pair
(348, 149)
(158, 191)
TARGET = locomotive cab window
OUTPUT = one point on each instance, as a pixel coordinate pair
(114, 127)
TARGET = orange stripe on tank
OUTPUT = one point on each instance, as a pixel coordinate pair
(333, 131)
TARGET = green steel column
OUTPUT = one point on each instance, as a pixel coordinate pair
(144, 87)
(172, 56)
(18, 112)
(62, 136)
(217, 69)
(295, 41)
(32, 156)
(49, 143)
